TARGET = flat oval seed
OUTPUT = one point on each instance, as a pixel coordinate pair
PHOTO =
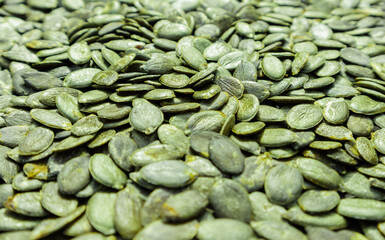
(224, 229)
(105, 171)
(75, 168)
(304, 116)
(169, 231)
(248, 107)
(86, 126)
(316, 201)
(169, 174)
(328, 69)
(353, 55)
(318, 83)
(216, 50)
(318, 173)
(271, 229)
(230, 200)
(207, 93)
(174, 80)
(231, 85)
(299, 62)
(100, 212)
(365, 209)
(336, 112)
(276, 137)
(51, 225)
(366, 149)
(120, 148)
(325, 145)
(81, 78)
(79, 53)
(68, 107)
(36, 141)
(363, 104)
(154, 153)
(169, 134)
(283, 184)
(105, 78)
(334, 132)
(359, 186)
(26, 204)
(360, 125)
(194, 58)
(10, 221)
(184, 206)
(55, 202)
(145, 117)
(247, 128)
(72, 142)
(51, 119)
(273, 68)
(209, 120)
(329, 220)
(378, 139)
(226, 155)
(93, 96)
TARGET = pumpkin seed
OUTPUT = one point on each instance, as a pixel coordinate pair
(304, 116)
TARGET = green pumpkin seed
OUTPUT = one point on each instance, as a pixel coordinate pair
(283, 184)
(273, 68)
(225, 229)
(299, 62)
(207, 93)
(209, 120)
(154, 153)
(363, 104)
(27, 204)
(259, 204)
(185, 230)
(81, 78)
(226, 191)
(164, 174)
(231, 85)
(50, 225)
(328, 69)
(366, 149)
(100, 211)
(334, 132)
(68, 107)
(325, 145)
(105, 171)
(226, 155)
(271, 229)
(276, 137)
(315, 201)
(248, 107)
(29, 145)
(105, 78)
(216, 50)
(365, 209)
(79, 53)
(53, 201)
(359, 186)
(329, 220)
(184, 206)
(75, 168)
(145, 117)
(318, 173)
(127, 213)
(304, 116)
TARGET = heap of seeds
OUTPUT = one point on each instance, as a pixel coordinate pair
(192, 119)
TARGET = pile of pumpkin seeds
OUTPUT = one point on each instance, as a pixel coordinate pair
(192, 119)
